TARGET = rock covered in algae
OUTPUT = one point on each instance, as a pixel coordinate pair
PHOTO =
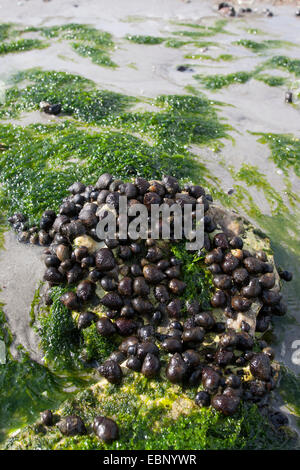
(211, 346)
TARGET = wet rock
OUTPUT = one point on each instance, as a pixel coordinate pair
(210, 379)
(202, 399)
(134, 363)
(111, 371)
(253, 265)
(172, 345)
(260, 366)
(223, 357)
(70, 300)
(286, 276)
(112, 300)
(193, 335)
(126, 326)
(145, 348)
(152, 274)
(176, 286)
(174, 308)
(85, 290)
(125, 286)
(225, 404)
(177, 369)
(205, 320)
(85, 320)
(47, 418)
(240, 304)
(104, 260)
(142, 306)
(72, 426)
(151, 366)
(106, 429)
(53, 276)
(140, 287)
(105, 327)
(219, 299)
(104, 181)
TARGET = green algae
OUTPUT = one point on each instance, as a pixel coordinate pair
(202, 30)
(175, 43)
(148, 40)
(198, 279)
(27, 387)
(89, 41)
(58, 332)
(219, 81)
(35, 303)
(252, 177)
(219, 58)
(57, 154)
(78, 96)
(263, 45)
(154, 415)
(216, 82)
(95, 346)
(12, 41)
(255, 31)
(285, 151)
(271, 80)
(5, 31)
(97, 55)
(63, 344)
(21, 45)
(285, 63)
(5, 333)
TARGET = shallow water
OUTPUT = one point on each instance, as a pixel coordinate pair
(148, 71)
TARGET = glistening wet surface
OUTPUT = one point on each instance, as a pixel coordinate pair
(233, 62)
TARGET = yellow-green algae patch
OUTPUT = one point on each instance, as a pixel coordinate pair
(154, 415)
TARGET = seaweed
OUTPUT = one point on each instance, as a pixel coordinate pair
(149, 416)
(285, 151)
(58, 332)
(216, 82)
(21, 45)
(149, 40)
(197, 277)
(263, 45)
